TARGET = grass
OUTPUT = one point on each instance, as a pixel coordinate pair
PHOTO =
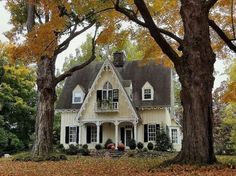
(106, 166)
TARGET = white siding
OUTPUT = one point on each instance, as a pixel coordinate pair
(67, 119)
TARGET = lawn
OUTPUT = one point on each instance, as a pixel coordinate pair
(107, 166)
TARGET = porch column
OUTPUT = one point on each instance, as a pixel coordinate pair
(80, 133)
(135, 131)
(98, 132)
(116, 134)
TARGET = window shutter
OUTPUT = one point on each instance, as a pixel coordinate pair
(100, 135)
(157, 127)
(88, 134)
(122, 134)
(67, 135)
(133, 133)
(167, 130)
(99, 95)
(115, 95)
(77, 136)
(145, 133)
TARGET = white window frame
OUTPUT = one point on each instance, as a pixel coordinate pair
(174, 136)
(149, 93)
(151, 132)
(93, 134)
(72, 134)
(107, 87)
(147, 87)
(75, 95)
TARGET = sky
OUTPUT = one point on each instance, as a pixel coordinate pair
(4, 26)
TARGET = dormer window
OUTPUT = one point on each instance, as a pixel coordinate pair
(77, 95)
(77, 98)
(147, 92)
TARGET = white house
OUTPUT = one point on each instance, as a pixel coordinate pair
(119, 100)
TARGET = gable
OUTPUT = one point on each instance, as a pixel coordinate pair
(125, 108)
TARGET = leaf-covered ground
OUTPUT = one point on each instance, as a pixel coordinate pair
(100, 166)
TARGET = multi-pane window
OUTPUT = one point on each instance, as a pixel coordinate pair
(147, 94)
(107, 91)
(93, 134)
(72, 134)
(77, 97)
(174, 136)
(151, 132)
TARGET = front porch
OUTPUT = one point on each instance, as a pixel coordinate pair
(97, 132)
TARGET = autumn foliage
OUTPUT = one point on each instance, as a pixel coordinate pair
(105, 166)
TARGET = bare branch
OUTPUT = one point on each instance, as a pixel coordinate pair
(232, 17)
(78, 67)
(62, 47)
(133, 17)
(222, 35)
(30, 16)
(155, 32)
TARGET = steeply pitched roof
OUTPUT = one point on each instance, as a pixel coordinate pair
(157, 75)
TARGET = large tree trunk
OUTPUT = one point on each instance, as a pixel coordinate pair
(196, 76)
(45, 107)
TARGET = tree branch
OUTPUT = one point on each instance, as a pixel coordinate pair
(222, 35)
(155, 32)
(232, 17)
(30, 16)
(132, 16)
(63, 46)
(78, 67)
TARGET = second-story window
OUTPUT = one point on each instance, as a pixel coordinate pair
(107, 91)
(107, 98)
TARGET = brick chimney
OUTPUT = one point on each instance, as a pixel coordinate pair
(119, 59)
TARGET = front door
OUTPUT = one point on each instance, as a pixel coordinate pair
(128, 136)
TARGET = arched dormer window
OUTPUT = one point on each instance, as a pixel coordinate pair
(107, 91)
(147, 92)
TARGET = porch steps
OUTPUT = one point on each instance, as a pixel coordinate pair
(116, 154)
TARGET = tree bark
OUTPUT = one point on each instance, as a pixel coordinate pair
(45, 107)
(195, 72)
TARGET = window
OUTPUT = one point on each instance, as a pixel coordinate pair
(72, 134)
(151, 132)
(93, 134)
(174, 136)
(147, 94)
(77, 97)
(107, 91)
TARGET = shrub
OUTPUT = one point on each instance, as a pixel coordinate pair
(132, 144)
(98, 146)
(85, 152)
(150, 146)
(60, 147)
(140, 145)
(145, 149)
(85, 146)
(72, 150)
(109, 141)
(121, 147)
(162, 141)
